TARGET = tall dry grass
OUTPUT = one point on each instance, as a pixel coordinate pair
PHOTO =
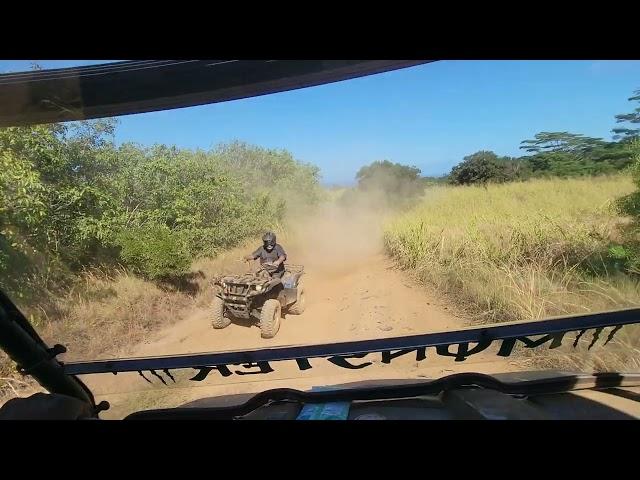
(100, 317)
(522, 251)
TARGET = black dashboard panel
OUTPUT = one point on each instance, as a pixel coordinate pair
(457, 404)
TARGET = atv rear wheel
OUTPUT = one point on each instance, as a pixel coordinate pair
(301, 300)
(218, 320)
(270, 318)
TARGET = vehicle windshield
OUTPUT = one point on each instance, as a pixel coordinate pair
(432, 198)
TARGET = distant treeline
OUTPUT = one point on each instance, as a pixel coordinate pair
(554, 154)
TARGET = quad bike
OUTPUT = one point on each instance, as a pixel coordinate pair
(259, 295)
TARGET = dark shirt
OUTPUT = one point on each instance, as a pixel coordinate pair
(271, 256)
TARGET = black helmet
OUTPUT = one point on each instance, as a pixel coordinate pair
(269, 240)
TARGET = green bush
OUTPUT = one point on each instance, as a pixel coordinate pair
(71, 199)
(481, 167)
(383, 184)
(154, 252)
(629, 205)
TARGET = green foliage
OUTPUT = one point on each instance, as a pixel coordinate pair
(629, 253)
(482, 167)
(629, 132)
(382, 185)
(154, 251)
(69, 198)
(271, 171)
(630, 204)
(393, 179)
(556, 154)
(564, 142)
(565, 154)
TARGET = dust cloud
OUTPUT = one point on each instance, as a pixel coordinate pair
(335, 239)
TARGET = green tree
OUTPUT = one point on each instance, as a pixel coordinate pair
(629, 132)
(277, 172)
(47, 205)
(393, 179)
(481, 167)
(570, 154)
(561, 142)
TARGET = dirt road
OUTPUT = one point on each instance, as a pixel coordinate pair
(353, 292)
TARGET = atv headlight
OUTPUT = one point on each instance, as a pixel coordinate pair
(224, 285)
(258, 288)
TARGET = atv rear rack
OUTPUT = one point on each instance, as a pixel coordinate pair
(294, 268)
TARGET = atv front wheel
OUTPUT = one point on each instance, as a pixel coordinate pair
(301, 300)
(218, 320)
(270, 318)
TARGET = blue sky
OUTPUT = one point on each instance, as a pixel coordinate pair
(429, 116)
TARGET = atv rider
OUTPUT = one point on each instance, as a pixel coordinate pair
(272, 256)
